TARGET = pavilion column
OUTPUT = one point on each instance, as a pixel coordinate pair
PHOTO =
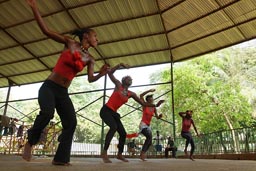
(173, 111)
(7, 97)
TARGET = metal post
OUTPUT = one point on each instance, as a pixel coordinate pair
(7, 98)
(173, 112)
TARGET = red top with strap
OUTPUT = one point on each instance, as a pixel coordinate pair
(186, 124)
(69, 64)
(118, 98)
(148, 113)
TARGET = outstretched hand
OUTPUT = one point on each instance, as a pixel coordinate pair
(124, 65)
(160, 116)
(200, 135)
(159, 103)
(31, 3)
(104, 69)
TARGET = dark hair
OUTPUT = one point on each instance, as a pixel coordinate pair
(124, 78)
(189, 111)
(148, 97)
(80, 32)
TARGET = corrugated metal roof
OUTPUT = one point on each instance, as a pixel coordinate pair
(137, 32)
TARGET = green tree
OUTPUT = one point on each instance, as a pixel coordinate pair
(212, 87)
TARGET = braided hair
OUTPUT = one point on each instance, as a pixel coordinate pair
(80, 32)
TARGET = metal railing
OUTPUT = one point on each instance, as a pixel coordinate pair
(242, 140)
(235, 141)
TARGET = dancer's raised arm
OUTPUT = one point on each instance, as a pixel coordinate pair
(49, 33)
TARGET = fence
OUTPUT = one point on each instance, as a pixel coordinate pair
(242, 140)
(235, 141)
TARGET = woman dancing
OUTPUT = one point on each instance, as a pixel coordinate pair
(54, 91)
(109, 114)
(187, 121)
(148, 113)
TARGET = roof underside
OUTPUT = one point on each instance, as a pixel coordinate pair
(136, 32)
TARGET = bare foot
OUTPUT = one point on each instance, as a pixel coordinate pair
(192, 158)
(105, 158)
(143, 156)
(27, 152)
(121, 157)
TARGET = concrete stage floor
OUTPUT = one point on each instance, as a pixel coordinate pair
(16, 163)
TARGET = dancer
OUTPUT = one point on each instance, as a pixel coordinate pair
(109, 114)
(54, 91)
(148, 113)
(187, 121)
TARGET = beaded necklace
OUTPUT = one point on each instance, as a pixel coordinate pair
(84, 50)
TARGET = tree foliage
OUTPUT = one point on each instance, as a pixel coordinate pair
(213, 86)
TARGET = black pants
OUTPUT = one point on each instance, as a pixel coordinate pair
(173, 149)
(148, 142)
(189, 140)
(51, 96)
(112, 119)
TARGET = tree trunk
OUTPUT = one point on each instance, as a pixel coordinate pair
(232, 132)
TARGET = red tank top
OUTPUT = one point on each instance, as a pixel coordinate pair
(148, 113)
(69, 64)
(117, 99)
(186, 124)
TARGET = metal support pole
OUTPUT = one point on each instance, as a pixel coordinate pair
(173, 112)
(7, 98)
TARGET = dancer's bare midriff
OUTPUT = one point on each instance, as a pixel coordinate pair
(60, 80)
